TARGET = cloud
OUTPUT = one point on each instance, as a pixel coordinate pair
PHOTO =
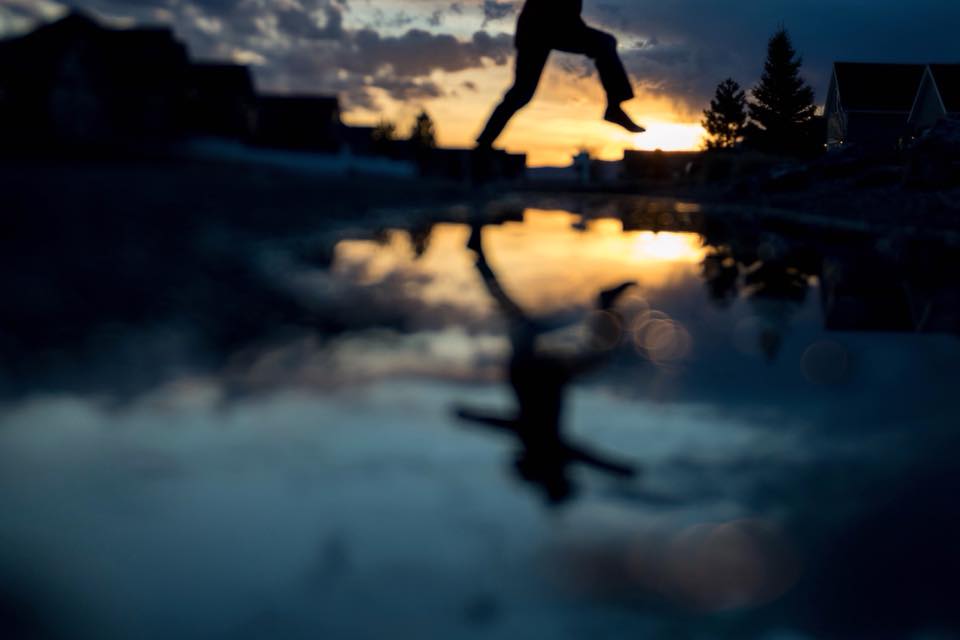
(704, 42)
(419, 53)
(494, 10)
(305, 45)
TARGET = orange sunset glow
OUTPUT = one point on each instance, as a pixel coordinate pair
(545, 261)
(563, 119)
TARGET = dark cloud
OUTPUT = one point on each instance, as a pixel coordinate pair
(294, 23)
(691, 45)
(419, 53)
(306, 47)
(494, 10)
(681, 48)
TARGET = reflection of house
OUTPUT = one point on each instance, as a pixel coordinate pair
(299, 122)
(869, 104)
(939, 96)
(221, 100)
(75, 81)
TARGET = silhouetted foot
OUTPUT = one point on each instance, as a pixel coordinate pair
(617, 115)
(609, 297)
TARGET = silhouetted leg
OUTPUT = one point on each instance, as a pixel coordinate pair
(602, 47)
(510, 308)
(529, 67)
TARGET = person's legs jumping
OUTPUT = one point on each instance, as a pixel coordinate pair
(529, 67)
(602, 47)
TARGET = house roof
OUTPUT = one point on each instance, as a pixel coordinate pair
(130, 58)
(298, 101)
(221, 79)
(947, 77)
(878, 87)
(285, 111)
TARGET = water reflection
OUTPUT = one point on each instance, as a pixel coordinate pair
(539, 378)
(284, 463)
(552, 265)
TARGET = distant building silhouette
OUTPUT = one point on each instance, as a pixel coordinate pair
(74, 81)
(882, 105)
(222, 100)
(457, 164)
(938, 97)
(304, 122)
(657, 166)
(869, 104)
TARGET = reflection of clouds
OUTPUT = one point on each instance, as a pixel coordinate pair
(710, 567)
(545, 262)
(370, 355)
(408, 312)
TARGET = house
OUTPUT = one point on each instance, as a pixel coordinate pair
(221, 101)
(461, 164)
(869, 104)
(658, 166)
(938, 96)
(76, 82)
(301, 122)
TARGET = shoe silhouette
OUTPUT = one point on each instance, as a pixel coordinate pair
(618, 116)
(556, 25)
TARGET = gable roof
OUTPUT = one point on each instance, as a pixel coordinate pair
(947, 77)
(878, 87)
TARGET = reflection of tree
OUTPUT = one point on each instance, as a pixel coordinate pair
(721, 276)
(539, 380)
(772, 275)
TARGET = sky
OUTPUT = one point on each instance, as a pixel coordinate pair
(388, 59)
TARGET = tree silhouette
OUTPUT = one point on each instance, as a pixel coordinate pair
(383, 135)
(726, 118)
(782, 109)
(423, 134)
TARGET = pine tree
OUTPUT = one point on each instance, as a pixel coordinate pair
(385, 131)
(423, 134)
(383, 136)
(782, 109)
(727, 116)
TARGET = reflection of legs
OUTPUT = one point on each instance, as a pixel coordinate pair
(529, 67)
(487, 420)
(510, 308)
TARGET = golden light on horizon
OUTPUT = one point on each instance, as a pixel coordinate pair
(670, 136)
(564, 117)
(668, 247)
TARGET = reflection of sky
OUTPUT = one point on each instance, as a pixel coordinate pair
(344, 500)
(546, 262)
